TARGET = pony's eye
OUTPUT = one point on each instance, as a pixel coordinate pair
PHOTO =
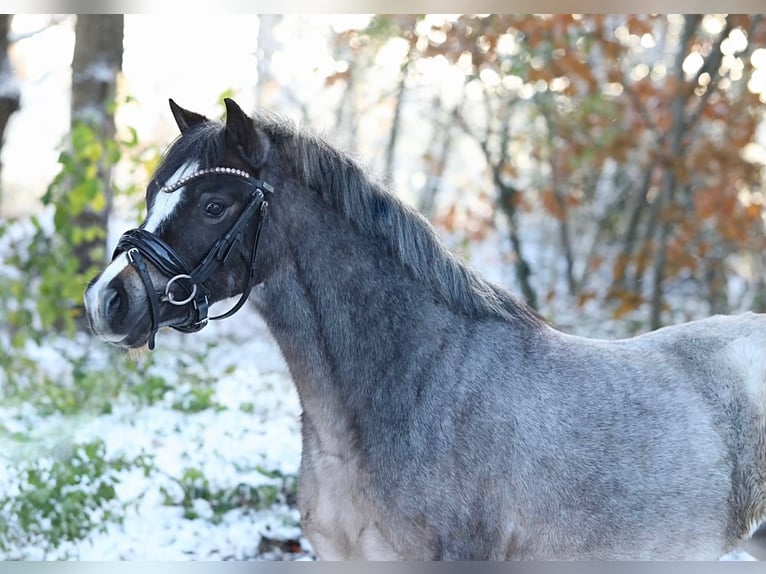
(214, 208)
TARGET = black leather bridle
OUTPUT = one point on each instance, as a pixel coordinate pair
(140, 245)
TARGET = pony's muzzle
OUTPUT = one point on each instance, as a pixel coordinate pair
(115, 306)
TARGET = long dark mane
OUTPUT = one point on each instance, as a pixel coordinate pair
(346, 185)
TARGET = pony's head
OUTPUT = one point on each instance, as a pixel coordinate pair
(199, 241)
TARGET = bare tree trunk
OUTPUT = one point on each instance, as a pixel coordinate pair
(715, 279)
(509, 199)
(759, 299)
(566, 242)
(670, 182)
(96, 63)
(560, 197)
(438, 156)
(267, 46)
(346, 114)
(640, 204)
(388, 167)
(9, 88)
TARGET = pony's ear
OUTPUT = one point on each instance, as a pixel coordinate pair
(184, 118)
(242, 135)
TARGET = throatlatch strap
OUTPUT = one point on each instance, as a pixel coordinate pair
(262, 211)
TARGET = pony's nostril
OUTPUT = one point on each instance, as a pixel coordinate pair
(112, 301)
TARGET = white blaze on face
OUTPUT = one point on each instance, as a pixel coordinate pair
(163, 206)
(165, 203)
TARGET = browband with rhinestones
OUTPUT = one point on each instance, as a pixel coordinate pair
(212, 170)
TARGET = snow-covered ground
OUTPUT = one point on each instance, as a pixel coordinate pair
(228, 443)
(247, 431)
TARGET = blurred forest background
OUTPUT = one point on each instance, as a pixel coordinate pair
(609, 169)
(619, 159)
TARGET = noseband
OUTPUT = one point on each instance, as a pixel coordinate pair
(140, 245)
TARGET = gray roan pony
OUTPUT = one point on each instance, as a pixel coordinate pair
(441, 417)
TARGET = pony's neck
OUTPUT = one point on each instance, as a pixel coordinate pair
(351, 321)
(337, 301)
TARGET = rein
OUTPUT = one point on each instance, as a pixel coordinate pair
(141, 245)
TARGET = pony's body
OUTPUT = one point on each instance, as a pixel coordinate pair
(538, 465)
(442, 418)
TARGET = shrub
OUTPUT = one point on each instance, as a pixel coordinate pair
(64, 500)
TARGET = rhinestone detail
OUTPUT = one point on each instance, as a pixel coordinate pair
(203, 172)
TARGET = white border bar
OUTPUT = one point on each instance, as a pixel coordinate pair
(374, 6)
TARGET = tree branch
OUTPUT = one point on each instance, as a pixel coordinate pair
(712, 66)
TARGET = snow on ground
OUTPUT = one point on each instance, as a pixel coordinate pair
(253, 426)
(228, 443)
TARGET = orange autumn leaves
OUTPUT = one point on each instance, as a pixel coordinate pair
(620, 93)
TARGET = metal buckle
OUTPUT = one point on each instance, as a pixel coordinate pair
(130, 255)
(205, 320)
(169, 296)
